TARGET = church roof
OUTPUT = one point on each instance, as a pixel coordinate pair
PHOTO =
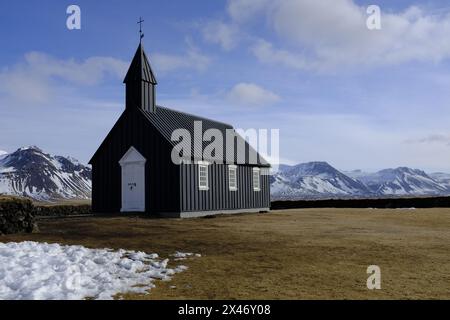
(166, 121)
(140, 68)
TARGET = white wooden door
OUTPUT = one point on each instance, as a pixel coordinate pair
(133, 181)
(133, 187)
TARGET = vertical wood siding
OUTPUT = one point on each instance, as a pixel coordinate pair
(162, 176)
(219, 197)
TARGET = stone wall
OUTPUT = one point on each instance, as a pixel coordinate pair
(62, 210)
(385, 203)
(16, 216)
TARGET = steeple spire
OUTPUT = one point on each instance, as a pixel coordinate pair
(140, 81)
(140, 68)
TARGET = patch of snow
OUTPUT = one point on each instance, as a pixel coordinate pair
(7, 170)
(181, 268)
(3, 154)
(73, 160)
(184, 255)
(29, 147)
(42, 271)
(55, 163)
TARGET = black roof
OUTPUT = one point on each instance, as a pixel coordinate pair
(166, 121)
(140, 68)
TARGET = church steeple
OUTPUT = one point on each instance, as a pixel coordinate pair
(140, 83)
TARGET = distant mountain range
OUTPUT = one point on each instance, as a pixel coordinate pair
(31, 173)
(317, 180)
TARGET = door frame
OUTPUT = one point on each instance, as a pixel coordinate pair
(133, 157)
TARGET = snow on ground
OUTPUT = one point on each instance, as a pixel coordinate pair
(42, 271)
(184, 255)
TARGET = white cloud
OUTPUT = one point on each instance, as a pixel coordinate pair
(332, 34)
(191, 59)
(243, 10)
(88, 72)
(34, 80)
(265, 52)
(19, 85)
(249, 94)
(442, 139)
(226, 35)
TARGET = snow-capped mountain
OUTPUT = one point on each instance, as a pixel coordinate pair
(32, 173)
(320, 180)
(402, 181)
(314, 180)
(441, 177)
(3, 154)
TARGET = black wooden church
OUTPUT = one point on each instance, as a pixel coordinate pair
(133, 171)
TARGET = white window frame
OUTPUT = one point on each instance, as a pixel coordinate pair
(230, 186)
(203, 164)
(256, 187)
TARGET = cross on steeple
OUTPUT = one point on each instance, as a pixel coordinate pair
(140, 81)
(141, 35)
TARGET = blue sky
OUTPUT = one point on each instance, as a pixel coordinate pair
(337, 91)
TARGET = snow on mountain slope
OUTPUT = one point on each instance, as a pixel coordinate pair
(3, 154)
(402, 181)
(314, 180)
(356, 174)
(442, 178)
(32, 173)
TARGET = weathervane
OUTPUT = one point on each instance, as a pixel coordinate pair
(141, 35)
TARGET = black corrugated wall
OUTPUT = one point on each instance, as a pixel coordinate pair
(219, 197)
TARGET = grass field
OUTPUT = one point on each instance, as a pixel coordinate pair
(69, 202)
(289, 254)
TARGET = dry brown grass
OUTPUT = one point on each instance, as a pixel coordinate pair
(68, 202)
(10, 198)
(289, 254)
